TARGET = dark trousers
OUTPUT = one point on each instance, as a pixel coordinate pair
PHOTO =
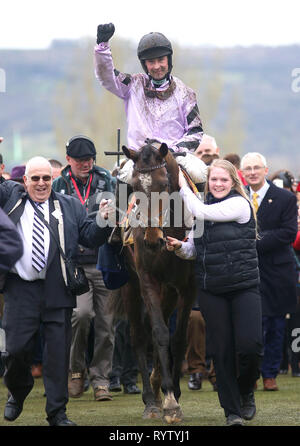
(234, 335)
(125, 364)
(273, 335)
(23, 312)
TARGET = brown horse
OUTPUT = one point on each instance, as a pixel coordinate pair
(160, 282)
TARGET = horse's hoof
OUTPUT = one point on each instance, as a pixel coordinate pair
(151, 412)
(172, 416)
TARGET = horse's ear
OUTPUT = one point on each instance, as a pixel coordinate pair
(129, 153)
(163, 150)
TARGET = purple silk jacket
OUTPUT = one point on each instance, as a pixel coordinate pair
(175, 119)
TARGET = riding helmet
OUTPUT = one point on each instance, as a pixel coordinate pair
(154, 45)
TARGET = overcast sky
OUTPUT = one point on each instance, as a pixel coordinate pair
(35, 23)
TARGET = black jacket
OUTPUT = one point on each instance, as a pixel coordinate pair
(226, 255)
(277, 226)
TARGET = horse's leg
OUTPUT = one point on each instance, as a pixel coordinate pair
(139, 332)
(179, 341)
(155, 380)
(160, 335)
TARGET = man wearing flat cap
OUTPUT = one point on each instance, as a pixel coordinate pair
(87, 182)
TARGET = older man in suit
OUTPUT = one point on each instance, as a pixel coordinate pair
(277, 226)
(36, 287)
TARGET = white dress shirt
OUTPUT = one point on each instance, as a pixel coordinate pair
(24, 267)
(260, 193)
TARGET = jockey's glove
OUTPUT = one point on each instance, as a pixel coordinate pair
(105, 32)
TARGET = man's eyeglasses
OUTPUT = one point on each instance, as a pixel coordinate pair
(83, 160)
(254, 169)
(36, 178)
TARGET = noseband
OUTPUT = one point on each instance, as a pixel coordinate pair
(150, 169)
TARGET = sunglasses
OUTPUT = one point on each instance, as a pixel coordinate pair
(36, 178)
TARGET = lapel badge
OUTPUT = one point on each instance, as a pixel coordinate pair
(270, 200)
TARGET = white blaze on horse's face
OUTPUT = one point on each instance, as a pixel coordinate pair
(146, 182)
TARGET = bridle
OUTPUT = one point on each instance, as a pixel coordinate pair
(149, 169)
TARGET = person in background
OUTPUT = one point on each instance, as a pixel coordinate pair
(228, 277)
(207, 146)
(17, 174)
(235, 159)
(276, 210)
(298, 193)
(290, 359)
(87, 182)
(56, 168)
(208, 159)
(283, 178)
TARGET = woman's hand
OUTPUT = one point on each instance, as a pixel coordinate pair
(173, 244)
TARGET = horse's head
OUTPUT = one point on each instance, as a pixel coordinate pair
(155, 171)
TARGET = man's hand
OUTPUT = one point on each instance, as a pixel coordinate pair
(1, 139)
(107, 211)
(105, 32)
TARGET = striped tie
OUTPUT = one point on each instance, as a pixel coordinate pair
(38, 251)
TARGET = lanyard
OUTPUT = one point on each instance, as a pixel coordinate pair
(83, 201)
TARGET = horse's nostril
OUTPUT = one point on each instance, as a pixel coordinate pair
(162, 242)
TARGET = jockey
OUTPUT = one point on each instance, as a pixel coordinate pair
(158, 106)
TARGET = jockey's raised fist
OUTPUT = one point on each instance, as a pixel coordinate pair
(105, 32)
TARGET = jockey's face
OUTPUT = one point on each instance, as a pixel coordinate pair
(158, 67)
(219, 182)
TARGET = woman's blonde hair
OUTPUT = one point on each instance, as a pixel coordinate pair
(237, 184)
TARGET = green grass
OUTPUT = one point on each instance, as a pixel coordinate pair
(200, 408)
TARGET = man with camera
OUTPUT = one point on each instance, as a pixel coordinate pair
(37, 288)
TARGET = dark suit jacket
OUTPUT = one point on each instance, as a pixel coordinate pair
(277, 226)
(11, 247)
(78, 229)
